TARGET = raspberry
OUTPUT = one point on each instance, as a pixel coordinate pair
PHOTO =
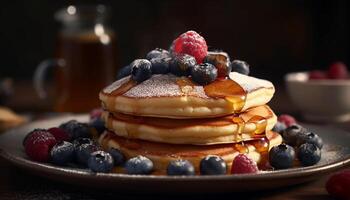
(242, 165)
(190, 43)
(317, 75)
(287, 120)
(38, 144)
(96, 113)
(338, 70)
(59, 134)
(338, 185)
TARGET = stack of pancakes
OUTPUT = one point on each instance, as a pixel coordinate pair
(168, 117)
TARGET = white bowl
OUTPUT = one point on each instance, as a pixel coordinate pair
(319, 100)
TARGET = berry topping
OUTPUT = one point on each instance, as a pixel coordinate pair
(62, 153)
(281, 156)
(141, 70)
(76, 129)
(38, 145)
(212, 165)
(181, 64)
(287, 120)
(317, 75)
(95, 113)
(240, 66)
(292, 133)
(242, 164)
(83, 152)
(118, 156)
(309, 154)
(190, 43)
(204, 74)
(338, 70)
(160, 65)
(100, 161)
(123, 72)
(180, 167)
(139, 165)
(311, 138)
(279, 127)
(338, 185)
(98, 124)
(221, 61)
(59, 134)
(157, 53)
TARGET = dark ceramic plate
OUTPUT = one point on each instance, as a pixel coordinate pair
(335, 154)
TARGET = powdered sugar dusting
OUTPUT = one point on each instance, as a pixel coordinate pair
(249, 83)
(115, 85)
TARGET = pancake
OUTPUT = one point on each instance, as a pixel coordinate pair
(169, 96)
(248, 125)
(161, 154)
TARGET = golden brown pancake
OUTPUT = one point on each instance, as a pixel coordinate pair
(169, 96)
(248, 125)
(161, 154)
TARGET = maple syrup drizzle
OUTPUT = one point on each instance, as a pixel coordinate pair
(185, 84)
(124, 87)
(260, 123)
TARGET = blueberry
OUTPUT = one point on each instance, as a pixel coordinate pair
(100, 161)
(221, 61)
(98, 124)
(279, 127)
(160, 65)
(139, 165)
(82, 153)
(141, 70)
(123, 72)
(311, 138)
(292, 133)
(118, 156)
(157, 53)
(212, 165)
(240, 66)
(204, 74)
(80, 141)
(76, 129)
(309, 154)
(180, 167)
(281, 156)
(181, 64)
(62, 153)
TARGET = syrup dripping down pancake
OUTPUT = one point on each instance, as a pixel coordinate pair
(248, 125)
(168, 96)
(161, 154)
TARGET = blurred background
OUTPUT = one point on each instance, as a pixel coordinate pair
(274, 37)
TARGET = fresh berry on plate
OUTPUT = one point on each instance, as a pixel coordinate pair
(338, 185)
(240, 66)
(309, 154)
(317, 75)
(292, 133)
(242, 164)
(287, 120)
(124, 71)
(279, 127)
(311, 138)
(181, 64)
(118, 156)
(212, 165)
(95, 113)
(76, 129)
(82, 153)
(59, 134)
(160, 65)
(141, 70)
(338, 70)
(80, 141)
(190, 43)
(38, 144)
(157, 53)
(281, 156)
(100, 161)
(221, 61)
(98, 124)
(204, 74)
(180, 167)
(139, 165)
(62, 153)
